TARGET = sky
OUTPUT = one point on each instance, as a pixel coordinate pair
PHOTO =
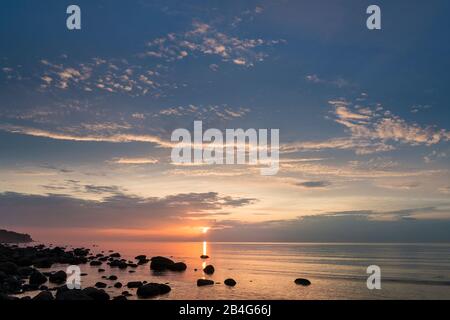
(86, 118)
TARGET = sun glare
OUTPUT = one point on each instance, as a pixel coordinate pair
(205, 229)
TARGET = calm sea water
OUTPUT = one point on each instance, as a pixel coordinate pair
(268, 270)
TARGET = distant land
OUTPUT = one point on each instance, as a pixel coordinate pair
(14, 237)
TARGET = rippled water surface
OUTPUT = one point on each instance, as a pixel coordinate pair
(268, 270)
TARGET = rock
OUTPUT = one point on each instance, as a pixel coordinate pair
(302, 282)
(8, 267)
(95, 263)
(58, 277)
(118, 285)
(143, 261)
(126, 294)
(63, 293)
(118, 264)
(44, 296)
(204, 282)
(25, 271)
(115, 255)
(81, 252)
(204, 256)
(134, 284)
(100, 285)
(43, 263)
(132, 265)
(179, 266)
(160, 263)
(152, 289)
(43, 288)
(26, 298)
(101, 270)
(131, 271)
(37, 278)
(120, 298)
(112, 277)
(209, 269)
(230, 282)
(141, 257)
(96, 294)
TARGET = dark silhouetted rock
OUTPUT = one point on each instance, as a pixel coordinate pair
(44, 296)
(230, 282)
(118, 285)
(120, 298)
(25, 271)
(204, 282)
(141, 257)
(302, 282)
(134, 284)
(204, 256)
(100, 285)
(112, 277)
(96, 294)
(64, 293)
(95, 263)
(58, 277)
(152, 289)
(101, 270)
(179, 266)
(115, 255)
(209, 269)
(37, 278)
(160, 263)
(8, 267)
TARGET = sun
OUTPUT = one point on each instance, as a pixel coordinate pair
(205, 229)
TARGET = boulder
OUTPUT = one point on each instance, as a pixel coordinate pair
(160, 263)
(209, 269)
(44, 296)
(95, 263)
(204, 282)
(179, 266)
(134, 284)
(58, 277)
(8, 268)
(37, 278)
(112, 277)
(152, 289)
(302, 282)
(96, 294)
(100, 285)
(230, 282)
(118, 285)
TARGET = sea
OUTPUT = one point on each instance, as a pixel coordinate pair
(337, 271)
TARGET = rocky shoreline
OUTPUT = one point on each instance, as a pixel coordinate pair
(23, 270)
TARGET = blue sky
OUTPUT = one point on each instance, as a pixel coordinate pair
(85, 117)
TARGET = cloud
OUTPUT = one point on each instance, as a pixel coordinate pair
(206, 39)
(117, 210)
(135, 161)
(346, 226)
(314, 184)
(372, 130)
(103, 137)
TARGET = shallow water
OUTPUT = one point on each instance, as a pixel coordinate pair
(268, 270)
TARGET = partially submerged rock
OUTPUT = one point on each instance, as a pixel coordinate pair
(204, 282)
(230, 282)
(152, 289)
(302, 282)
(209, 269)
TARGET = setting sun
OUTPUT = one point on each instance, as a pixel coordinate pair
(205, 229)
